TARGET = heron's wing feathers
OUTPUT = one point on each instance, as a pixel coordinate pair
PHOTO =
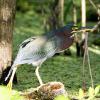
(51, 46)
(24, 43)
(35, 50)
(28, 50)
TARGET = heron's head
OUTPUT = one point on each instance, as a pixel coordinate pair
(68, 29)
(75, 28)
(71, 27)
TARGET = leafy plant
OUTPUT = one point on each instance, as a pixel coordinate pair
(81, 94)
(6, 94)
(61, 97)
(91, 93)
(97, 90)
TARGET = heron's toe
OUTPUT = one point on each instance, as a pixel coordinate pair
(9, 85)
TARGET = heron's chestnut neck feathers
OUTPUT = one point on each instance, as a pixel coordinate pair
(65, 37)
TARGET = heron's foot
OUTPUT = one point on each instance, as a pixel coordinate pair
(9, 85)
(40, 85)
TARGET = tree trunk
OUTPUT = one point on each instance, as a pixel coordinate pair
(83, 10)
(83, 4)
(74, 14)
(77, 41)
(55, 20)
(80, 43)
(61, 12)
(99, 16)
(7, 13)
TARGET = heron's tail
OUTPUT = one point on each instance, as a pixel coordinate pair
(10, 72)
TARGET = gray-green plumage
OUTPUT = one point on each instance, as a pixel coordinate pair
(36, 49)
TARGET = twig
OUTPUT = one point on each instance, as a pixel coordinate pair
(96, 27)
(82, 30)
(88, 59)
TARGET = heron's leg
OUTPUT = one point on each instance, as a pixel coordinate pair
(9, 85)
(38, 75)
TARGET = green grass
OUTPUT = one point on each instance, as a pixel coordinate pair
(66, 69)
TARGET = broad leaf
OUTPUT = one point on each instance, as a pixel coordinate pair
(91, 92)
(81, 94)
(61, 97)
(97, 90)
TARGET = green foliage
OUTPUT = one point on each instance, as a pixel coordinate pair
(97, 90)
(96, 41)
(91, 92)
(45, 5)
(61, 97)
(23, 5)
(81, 94)
(77, 3)
(68, 8)
(6, 94)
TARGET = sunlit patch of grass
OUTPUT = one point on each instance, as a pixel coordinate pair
(96, 51)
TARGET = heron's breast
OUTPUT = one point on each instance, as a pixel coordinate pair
(38, 62)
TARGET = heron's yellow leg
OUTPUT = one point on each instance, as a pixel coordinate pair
(38, 76)
(9, 85)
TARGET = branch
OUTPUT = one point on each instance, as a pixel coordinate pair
(92, 3)
(95, 27)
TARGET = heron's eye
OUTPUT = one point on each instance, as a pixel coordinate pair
(74, 28)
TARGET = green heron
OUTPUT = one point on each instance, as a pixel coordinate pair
(36, 50)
